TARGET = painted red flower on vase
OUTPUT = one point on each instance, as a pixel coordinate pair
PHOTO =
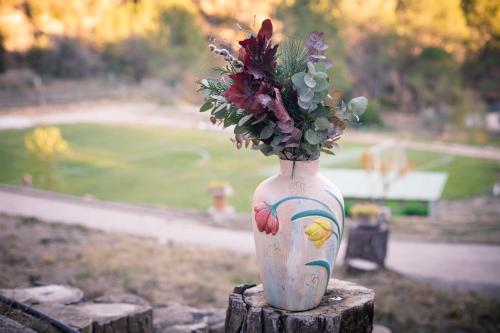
(265, 218)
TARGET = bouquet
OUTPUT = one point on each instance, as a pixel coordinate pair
(277, 96)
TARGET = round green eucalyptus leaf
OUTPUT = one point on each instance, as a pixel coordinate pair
(314, 137)
(309, 80)
(321, 123)
(321, 84)
(298, 79)
(266, 132)
(357, 105)
(310, 68)
(320, 75)
(320, 67)
(306, 96)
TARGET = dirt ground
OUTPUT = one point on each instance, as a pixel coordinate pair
(33, 252)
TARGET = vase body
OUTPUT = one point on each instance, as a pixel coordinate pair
(298, 220)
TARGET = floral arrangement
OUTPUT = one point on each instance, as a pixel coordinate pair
(277, 96)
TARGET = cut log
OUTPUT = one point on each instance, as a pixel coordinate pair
(118, 317)
(345, 308)
(45, 294)
(103, 317)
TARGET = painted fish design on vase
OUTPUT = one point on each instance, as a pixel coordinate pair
(298, 222)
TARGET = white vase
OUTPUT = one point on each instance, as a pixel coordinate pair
(298, 222)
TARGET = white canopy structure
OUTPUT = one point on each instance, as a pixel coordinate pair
(414, 185)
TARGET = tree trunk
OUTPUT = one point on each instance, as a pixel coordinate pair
(345, 308)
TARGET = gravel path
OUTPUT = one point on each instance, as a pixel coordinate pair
(460, 266)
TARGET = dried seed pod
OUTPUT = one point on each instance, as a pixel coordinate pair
(211, 47)
(217, 51)
(224, 52)
(329, 143)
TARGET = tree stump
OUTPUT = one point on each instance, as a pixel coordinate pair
(345, 308)
(45, 294)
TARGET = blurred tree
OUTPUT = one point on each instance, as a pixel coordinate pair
(3, 55)
(65, 58)
(300, 17)
(435, 79)
(482, 67)
(180, 43)
(430, 23)
(130, 57)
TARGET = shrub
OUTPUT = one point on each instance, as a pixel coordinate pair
(415, 208)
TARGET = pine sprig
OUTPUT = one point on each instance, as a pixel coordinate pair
(292, 59)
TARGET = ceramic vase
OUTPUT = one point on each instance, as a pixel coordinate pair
(298, 222)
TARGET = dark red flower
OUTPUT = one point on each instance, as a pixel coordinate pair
(249, 94)
(258, 54)
(254, 88)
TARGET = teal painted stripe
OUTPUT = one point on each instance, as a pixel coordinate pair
(342, 208)
(322, 263)
(318, 212)
(278, 203)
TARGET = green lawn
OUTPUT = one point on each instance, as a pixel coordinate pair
(174, 166)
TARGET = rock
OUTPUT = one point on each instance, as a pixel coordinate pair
(10, 326)
(345, 308)
(45, 294)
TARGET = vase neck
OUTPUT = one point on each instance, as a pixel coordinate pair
(301, 168)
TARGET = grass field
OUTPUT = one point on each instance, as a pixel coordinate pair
(174, 166)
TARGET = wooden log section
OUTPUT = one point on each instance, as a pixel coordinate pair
(345, 308)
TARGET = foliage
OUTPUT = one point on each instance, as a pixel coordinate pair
(65, 58)
(279, 104)
(364, 210)
(46, 144)
(300, 17)
(415, 209)
(371, 117)
(3, 55)
(131, 57)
